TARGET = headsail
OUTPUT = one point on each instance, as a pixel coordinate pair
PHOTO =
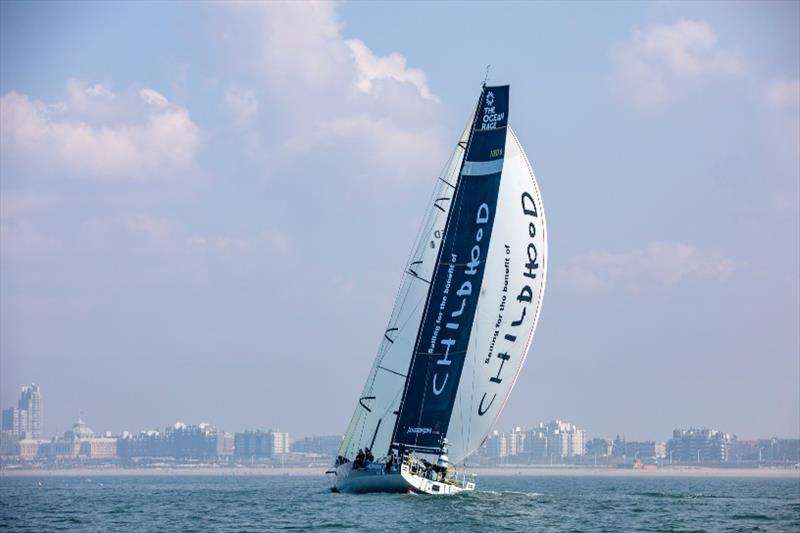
(448, 318)
(513, 287)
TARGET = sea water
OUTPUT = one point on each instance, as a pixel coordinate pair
(231, 503)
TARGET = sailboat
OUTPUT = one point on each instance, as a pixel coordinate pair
(462, 323)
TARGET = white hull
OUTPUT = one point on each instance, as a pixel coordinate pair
(346, 479)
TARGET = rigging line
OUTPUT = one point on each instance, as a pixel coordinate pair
(393, 371)
(473, 335)
(414, 274)
(427, 220)
(401, 326)
(405, 288)
(351, 431)
(361, 434)
(411, 315)
(390, 405)
(466, 423)
(386, 411)
(362, 416)
(429, 208)
(472, 392)
(405, 323)
(456, 168)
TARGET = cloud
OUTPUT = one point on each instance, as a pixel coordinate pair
(372, 68)
(167, 234)
(19, 204)
(160, 237)
(274, 241)
(23, 238)
(654, 60)
(665, 263)
(155, 229)
(327, 92)
(150, 97)
(783, 95)
(242, 104)
(96, 133)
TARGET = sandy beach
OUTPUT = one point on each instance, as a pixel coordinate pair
(507, 471)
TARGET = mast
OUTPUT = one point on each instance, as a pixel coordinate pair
(455, 289)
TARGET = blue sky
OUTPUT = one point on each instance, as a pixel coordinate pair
(206, 207)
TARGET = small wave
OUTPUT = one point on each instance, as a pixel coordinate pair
(508, 493)
(752, 516)
(680, 496)
(662, 495)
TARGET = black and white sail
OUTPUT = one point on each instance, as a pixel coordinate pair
(468, 303)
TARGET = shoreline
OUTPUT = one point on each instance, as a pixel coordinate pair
(485, 471)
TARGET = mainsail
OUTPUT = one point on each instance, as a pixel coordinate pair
(468, 303)
(447, 323)
(374, 418)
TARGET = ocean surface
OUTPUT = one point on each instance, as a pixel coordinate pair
(302, 503)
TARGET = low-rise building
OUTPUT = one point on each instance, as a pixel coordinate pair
(99, 448)
(28, 449)
(695, 445)
(260, 444)
(633, 450)
(324, 445)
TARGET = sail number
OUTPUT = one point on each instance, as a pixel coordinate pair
(497, 152)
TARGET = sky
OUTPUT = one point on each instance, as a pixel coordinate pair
(205, 209)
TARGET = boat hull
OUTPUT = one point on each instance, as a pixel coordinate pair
(347, 479)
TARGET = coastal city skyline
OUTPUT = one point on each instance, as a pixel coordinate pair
(550, 443)
(66, 418)
(17, 422)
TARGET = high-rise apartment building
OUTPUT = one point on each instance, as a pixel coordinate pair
(496, 445)
(552, 439)
(280, 442)
(557, 439)
(25, 420)
(31, 401)
(15, 421)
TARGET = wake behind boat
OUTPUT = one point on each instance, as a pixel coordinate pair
(462, 323)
